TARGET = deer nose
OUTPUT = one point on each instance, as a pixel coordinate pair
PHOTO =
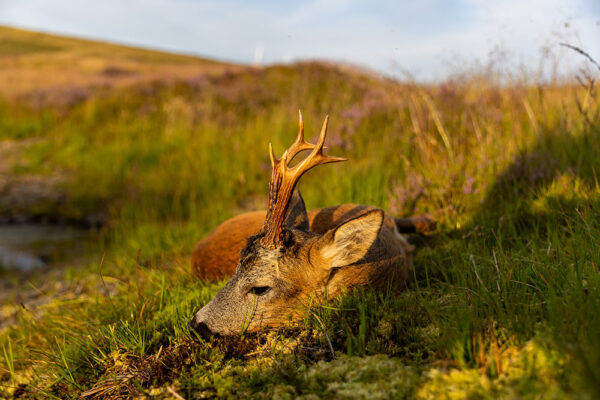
(200, 329)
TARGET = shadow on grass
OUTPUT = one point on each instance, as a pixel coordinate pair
(526, 264)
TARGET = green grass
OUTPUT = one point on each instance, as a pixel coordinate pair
(9, 46)
(504, 298)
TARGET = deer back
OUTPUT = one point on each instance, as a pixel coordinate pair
(216, 256)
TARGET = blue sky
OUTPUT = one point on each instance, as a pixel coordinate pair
(428, 38)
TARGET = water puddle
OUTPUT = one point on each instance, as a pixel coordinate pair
(29, 246)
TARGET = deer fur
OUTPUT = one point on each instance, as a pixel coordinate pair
(216, 256)
(296, 259)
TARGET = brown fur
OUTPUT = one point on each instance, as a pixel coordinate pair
(295, 259)
(363, 247)
(216, 256)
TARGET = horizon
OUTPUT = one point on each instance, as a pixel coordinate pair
(426, 42)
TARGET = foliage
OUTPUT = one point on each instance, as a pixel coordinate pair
(505, 292)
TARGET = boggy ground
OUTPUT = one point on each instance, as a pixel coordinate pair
(503, 302)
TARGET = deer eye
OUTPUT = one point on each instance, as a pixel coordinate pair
(260, 290)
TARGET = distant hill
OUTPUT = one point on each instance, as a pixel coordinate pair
(33, 61)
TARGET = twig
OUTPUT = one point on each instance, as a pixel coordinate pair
(104, 283)
(582, 52)
(174, 393)
(326, 335)
(476, 274)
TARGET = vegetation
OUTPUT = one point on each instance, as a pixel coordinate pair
(505, 292)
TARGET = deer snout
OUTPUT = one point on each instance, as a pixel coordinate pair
(200, 329)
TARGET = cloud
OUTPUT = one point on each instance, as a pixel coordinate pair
(420, 36)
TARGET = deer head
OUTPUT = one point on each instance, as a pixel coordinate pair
(286, 267)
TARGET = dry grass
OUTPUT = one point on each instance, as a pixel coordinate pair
(505, 294)
(47, 69)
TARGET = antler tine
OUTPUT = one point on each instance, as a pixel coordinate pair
(321, 140)
(316, 157)
(284, 179)
(300, 127)
(299, 145)
(271, 155)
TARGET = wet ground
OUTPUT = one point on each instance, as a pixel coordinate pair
(25, 247)
(32, 255)
(32, 260)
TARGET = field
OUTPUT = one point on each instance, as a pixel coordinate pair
(150, 151)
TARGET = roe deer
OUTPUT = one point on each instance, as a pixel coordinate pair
(297, 258)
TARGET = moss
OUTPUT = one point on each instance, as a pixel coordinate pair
(370, 377)
(158, 165)
(529, 372)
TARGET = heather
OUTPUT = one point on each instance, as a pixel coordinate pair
(504, 297)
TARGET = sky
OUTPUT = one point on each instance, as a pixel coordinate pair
(426, 39)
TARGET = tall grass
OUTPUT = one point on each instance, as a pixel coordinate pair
(509, 278)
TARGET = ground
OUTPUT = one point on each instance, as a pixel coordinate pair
(147, 152)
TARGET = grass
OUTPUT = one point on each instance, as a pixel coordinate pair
(34, 67)
(504, 298)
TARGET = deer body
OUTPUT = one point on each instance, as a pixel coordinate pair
(217, 255)
(296, 259)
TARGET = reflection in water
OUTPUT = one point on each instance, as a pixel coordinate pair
(29, 246)
(10, 258)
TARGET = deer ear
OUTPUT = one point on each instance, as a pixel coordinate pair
(296, 217)
(349, 242)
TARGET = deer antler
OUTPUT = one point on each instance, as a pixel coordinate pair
(284, 179)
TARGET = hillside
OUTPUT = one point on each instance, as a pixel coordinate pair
(504, 298)
(50, 66)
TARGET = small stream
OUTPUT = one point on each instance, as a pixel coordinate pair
(26, 247)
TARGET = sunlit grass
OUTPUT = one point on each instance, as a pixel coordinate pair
(505, 293)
